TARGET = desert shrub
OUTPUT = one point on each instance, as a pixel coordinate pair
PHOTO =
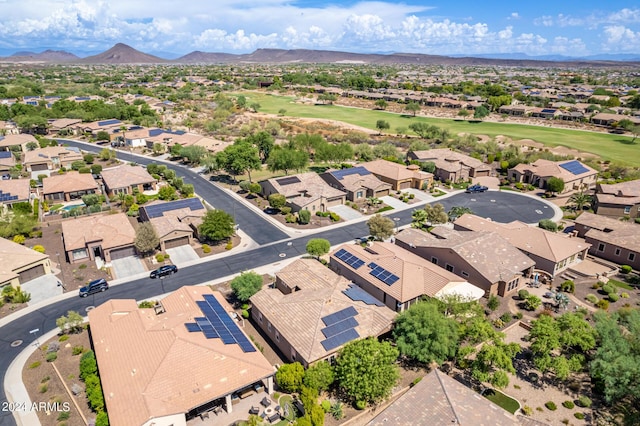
(579, 415)
(229, 245)
(497, 323)
(206, 248)
(326, 405)
(624, 295)
(527, 411)
(603, 304)
(160, 257)
(551, 405)
(522, 294)
(360, 405)
(19, 239)
(304, 216)
(51, 356)
(39, 248)
(568, 404)
(53, 347)
(245, 314)
(334, 217)
(285, 210)
(44, 387)
(568, 286)
(625, 269)
(83, 266)
(548, 225)
(613, 297)
(518, 315)
(63, 338)
(77, 350)
(35, 365)
(596, 286)
(290, 218)
(608, 288)
(506, 317)
(592, 298)
(244, 185)
(584, 401)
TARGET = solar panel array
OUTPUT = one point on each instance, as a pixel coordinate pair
(217, 323)
(357, 294)
(352, 260)
(574, 167)
(339, 174)
(340, 328)
(109, 122)
(548, 111)
(157, 210)
(7, 197)
(288, 180)
(382, 274)
(5, 154)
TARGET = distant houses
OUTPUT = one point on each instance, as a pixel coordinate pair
(618, 200)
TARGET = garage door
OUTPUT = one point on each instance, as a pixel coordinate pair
(123, 252)
(176, 242)
(39, 167)
(31, 273)
(405, 185)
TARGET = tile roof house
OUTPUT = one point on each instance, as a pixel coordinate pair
(611, 239)
(399, 176)
(64, 124)
(108, 237)
(395, 276)
(44, 160)
(552, 252)
(450, 165)
(575, 174)
(16, 140)
(438, 399)
(7, 161)
(607, 119)
(358, 182)
(21, 264)
(124, 179)
(69, 186)
(304, 191)
(175, 222)
(157, 366)
(618, 200)
(110, 126)
(14, 191)
(485, 259)
(297, 313)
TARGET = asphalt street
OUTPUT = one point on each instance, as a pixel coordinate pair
(274, 246)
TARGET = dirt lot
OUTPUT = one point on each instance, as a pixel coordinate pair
(45, 385)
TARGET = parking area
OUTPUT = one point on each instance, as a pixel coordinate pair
(181, 255)
(127, 267)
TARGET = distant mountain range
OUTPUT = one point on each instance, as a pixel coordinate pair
(123, 54)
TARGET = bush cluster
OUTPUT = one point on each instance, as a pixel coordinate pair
(551, 405)
(93, 388)
(584, 401)
(568, 404)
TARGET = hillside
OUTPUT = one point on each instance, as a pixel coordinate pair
(122, 54)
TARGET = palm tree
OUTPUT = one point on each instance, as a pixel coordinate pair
(419, 219)
(580, 199)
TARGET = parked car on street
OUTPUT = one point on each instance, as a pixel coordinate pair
(94, 286)
(476, 188)
(163, 270)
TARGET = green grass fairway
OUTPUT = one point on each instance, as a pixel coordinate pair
(616, 148)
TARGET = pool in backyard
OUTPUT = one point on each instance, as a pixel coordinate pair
(71, 207)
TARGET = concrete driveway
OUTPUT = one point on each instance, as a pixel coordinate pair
(420, 195)
(181, 255)
(346, 212)
(394, 202)
(127, 267)
(42, 288)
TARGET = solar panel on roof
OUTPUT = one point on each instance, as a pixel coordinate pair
(288, 180)
(574, 167)
(339, 327)
(357, 294)
(548, 111)
(350, 259)
(339, 316)
(109, 122)
(339, 339)
(383, 275)
(339, 174)
(5, 154)
(158, 210)
(192, 327)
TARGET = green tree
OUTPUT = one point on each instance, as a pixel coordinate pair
(458, 211)
(381, 104)
(555, 184)
(146, 240)
(380, 227)
(385, 150)
(363, 152)
(532, 302)
(239, 158)
(493, 303)
(167, 193)
(96, 169)
(264, 142)
(319, 376)
(436, 214)
(412, 107)
(107, 154)
(217, 225)
(318, 246)
(481, 112)
(365, 369)
(304, 216)
(158, 148)
(286, 159)
(246, 285)
(102, 136)
(493, 361)
(277, 201)
(419, 219)
(194, 153)
(290, 376)
(176, 150)
(382, 125)
(580, 199)
(425, 334)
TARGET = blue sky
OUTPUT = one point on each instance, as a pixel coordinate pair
(571, 28)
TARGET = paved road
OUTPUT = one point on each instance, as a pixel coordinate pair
(501, 206)
(253, 224)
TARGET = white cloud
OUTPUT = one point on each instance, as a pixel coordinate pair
(620, 38)
(514, 15)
